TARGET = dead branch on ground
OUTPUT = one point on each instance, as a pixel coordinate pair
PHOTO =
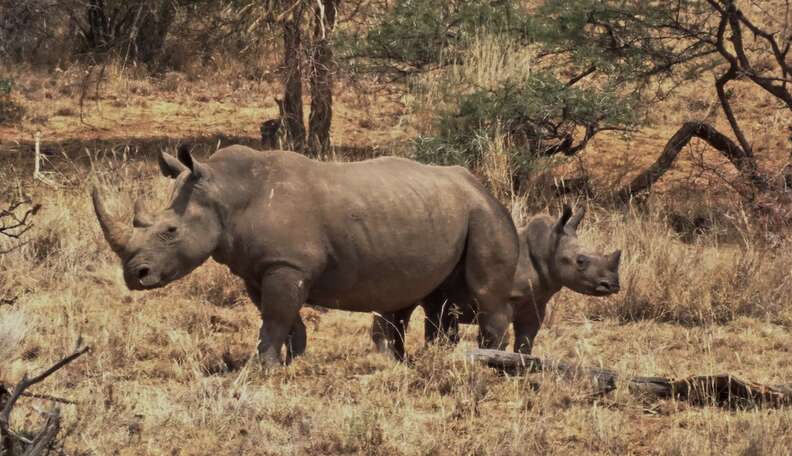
(13, 444)
(723, 390)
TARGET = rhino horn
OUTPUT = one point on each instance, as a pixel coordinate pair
(142, 217)
(115, 234)
(613, 261)
(574, 221)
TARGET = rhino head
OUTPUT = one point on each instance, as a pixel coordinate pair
(160, 248)
(574, 266)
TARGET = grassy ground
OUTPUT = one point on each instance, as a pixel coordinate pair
(168, 373)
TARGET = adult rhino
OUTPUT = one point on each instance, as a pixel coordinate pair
(551, 258)
(376, 235)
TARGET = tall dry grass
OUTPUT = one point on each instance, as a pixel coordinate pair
(174, 361)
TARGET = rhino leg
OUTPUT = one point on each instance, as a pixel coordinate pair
(382, 331)
(297, 341)
(388, 331)
(441, 320)
(490, 262)
(527, 321)
(283, 291)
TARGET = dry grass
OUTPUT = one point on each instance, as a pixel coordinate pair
(172, 362)
(168, 371)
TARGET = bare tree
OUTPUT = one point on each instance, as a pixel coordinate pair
(321, 78)
(764, 61)
(292, 113)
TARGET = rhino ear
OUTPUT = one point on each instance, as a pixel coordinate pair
(186, 158)
(565, 215)
(170, 166)
(575, 220)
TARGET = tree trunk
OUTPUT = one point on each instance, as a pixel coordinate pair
(153, 27)
(322, 68)
(292, 83)
(745, 163)
(97, 32)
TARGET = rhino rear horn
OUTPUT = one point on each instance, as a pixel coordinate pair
(115, 234)
(142, 217)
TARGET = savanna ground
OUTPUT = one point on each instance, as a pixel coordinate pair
(167, 373)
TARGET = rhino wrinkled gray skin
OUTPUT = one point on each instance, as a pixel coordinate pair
(551, 258)
(377, 235)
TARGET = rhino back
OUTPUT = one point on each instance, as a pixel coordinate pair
(386, 230)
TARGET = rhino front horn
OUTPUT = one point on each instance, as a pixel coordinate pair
(115, 234)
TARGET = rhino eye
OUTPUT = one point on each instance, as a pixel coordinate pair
(582, 261)
(168, 234)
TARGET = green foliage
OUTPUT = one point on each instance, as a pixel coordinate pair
(418, 34)
(532, 115)
(629, 41)
(6, 85)
(10, 111)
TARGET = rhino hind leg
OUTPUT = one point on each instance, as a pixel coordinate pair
(389, 330)
(442, 318)
(490, 262)
(382, 331)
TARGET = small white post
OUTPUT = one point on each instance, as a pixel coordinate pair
(37, 165)
(37, 174)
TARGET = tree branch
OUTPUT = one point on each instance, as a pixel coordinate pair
(8, 400)
(744, 164)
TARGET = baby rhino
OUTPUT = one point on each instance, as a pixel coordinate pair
(551, 258)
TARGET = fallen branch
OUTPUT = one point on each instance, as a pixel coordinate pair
(9, 442)
(723, 390)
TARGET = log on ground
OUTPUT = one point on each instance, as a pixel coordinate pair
(723, 390)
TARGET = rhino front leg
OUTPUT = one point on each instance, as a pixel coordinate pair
(382, 331)
(283, 291)
(297, 341)
(527, 321)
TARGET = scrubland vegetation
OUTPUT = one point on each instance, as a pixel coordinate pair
(704, 273)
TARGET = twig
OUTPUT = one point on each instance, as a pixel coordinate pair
(52, 426)
(47, 397)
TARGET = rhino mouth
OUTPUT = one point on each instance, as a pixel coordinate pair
(605, 290)
(143, 277)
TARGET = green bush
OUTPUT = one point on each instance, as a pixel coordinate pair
(531, 115)
(416, 35)
(10, 111)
